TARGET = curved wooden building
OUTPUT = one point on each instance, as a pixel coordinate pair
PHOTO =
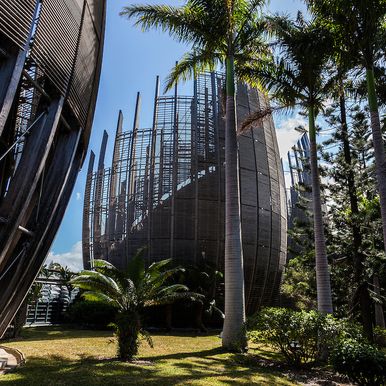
(50, 60)
(165, 189)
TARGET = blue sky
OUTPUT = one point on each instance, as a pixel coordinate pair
(131, 62)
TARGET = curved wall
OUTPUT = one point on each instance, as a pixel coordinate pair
(50, 59)
(165, 190)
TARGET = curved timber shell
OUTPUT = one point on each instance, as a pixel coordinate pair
(165, 189)
(50, 59)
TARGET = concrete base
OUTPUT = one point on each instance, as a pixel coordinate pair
(9, 359)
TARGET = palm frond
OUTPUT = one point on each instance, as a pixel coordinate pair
(97, 282)
(136, 267)
(191, 64)
(99, 297)
(188, 23)
(172, 289)
(171, 298)
(107, 269)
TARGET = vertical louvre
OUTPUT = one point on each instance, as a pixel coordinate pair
(82, 84)
(187, 196)
(56, 40)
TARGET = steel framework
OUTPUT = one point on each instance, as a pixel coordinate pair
(298, 159)
(50, 59)
(300, 199)
(165, 189)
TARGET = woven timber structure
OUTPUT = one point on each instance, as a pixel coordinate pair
(50, 58)
(165, 189)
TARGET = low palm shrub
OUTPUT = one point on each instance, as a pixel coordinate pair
(130, 291)
(361, 362)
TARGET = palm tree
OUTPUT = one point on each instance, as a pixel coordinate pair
(66, 275)
(297, 78)
(230, 33)
(130, 291)
(358, 26)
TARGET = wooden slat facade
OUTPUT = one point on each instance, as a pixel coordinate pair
(167, 193)
(48, 49)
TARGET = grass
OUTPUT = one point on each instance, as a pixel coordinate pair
(57, 356)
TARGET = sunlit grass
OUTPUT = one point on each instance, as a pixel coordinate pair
(80, 357)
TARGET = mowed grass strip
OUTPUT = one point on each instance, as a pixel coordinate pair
(57, 356)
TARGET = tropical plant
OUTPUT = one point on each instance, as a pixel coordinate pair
(205, 279)
(363, 21)
(230, 33)
(130, 291)
(300, 336)
(90, 314)
(361, 362)
(348, 179)
(66, 275)
(298, 79)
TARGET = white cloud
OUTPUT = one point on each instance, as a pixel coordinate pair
(78, 196)
(328, 103)
(72, 259)
(287, 137)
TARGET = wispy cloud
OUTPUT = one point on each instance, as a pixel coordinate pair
(78, 196)
(71, 259)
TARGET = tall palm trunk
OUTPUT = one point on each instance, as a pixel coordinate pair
(379, 316)
(233, 337)
(379, 147)
(322, 273)
(362, 292)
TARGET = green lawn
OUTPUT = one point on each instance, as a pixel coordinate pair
(57, 356)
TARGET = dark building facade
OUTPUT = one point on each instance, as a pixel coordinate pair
(50, 59)
(165, 189)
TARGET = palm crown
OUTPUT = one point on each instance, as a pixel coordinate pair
(297, 76)
(215, 28)
(133, 288)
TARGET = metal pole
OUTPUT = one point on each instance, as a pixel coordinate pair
(174, 172)
(132, 173)
(152, 172)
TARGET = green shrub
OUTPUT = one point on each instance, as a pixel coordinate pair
(298, 334)
(91, 314)
(380, 336)
(361, 362)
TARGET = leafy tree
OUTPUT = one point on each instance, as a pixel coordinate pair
(230, 33)
(363, 22)
(299, 78)
(351, 220)
(66, 275)
(130, 291)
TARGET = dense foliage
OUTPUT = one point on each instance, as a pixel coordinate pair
(361, 362)
(90, 314)
(301, 337)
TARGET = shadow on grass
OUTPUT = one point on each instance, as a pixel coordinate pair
(32, 334)
(201, 367)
